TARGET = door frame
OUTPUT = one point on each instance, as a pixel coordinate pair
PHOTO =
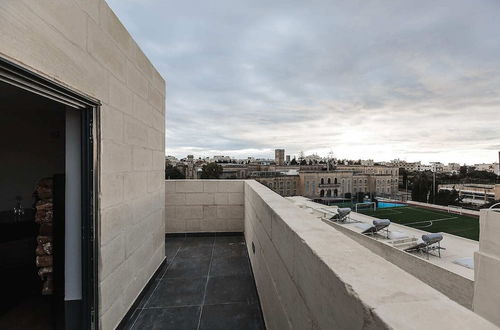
(89, 107)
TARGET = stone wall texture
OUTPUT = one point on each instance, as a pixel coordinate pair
(83, 45)
(311, 276)
(487, 267)
(204, 206)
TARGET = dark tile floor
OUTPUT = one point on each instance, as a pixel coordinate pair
(206, 283)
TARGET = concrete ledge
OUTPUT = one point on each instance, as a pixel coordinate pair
(311, 276)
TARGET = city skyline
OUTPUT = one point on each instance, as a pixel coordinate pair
(416, 81)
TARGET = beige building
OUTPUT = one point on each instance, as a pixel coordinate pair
(375, 180)
(283, 184)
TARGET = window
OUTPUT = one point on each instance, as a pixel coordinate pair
(322, 181)
(329, 181)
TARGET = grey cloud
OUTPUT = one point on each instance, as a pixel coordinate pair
(405, 77)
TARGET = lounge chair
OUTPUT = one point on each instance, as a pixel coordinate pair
(428, 243)
(378, 225)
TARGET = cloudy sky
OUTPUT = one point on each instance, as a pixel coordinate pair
(417, 80)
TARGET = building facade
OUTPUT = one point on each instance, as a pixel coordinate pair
(279, 157)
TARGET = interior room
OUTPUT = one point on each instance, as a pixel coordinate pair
(40, 215)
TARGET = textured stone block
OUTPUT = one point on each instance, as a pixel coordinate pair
(134, 185)
(102, 48)
(189, 186)
(111, 256)
(142, 159)
(230, 212)
(231, 186)
(189, 212)
(136, 132)
(175, 199)
(200, 199)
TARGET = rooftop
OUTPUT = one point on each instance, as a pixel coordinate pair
(205, 283)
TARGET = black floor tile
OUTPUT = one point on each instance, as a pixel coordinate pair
(188, 268)
(196, 251)
(230, 249)
(239, 316)
(178, 318)
(230, 289)
(227, 266)
(178, 292)
(230, 239)
(198, 241)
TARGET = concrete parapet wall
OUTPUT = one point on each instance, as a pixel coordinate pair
(458, 288)
(311, 276)
(204, 206)
(487, 267)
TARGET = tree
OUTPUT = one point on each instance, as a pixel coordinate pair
(447, 197)
(421, 187)
(211, 171)
(293, 162)
(172, 173)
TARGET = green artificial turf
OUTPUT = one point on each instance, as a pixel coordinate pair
(430, 220)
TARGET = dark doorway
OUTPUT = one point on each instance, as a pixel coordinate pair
(47, 204)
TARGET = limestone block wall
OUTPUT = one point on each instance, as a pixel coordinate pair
(83, 45)
(487, 267)
(310, 276)
(204, 206)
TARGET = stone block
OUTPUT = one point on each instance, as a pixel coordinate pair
(210, 186)
(66, 17)
(135, 185)
(112, 287)
(156, 139)
(103, 49)
(136, 80)
(156, 99)
(142, 159)
(116, 157)
(170, 186)
(111, 189)
(231, 186)
(221, 198)
(136, 132)
(200, 199)
(110, 24)
(175, 199)
(158, 161)
(120, 97)
(114, 222)
(189, 186)
(209, 212)
(111, 256)
(111, 124)
(189, 212)
(235, 198)
(230, 212)
(156, 181)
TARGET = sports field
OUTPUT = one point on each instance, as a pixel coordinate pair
(429, 220)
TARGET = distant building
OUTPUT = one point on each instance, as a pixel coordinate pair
(476, 194)
(279, 157)
(288, 159)
(285, 184)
